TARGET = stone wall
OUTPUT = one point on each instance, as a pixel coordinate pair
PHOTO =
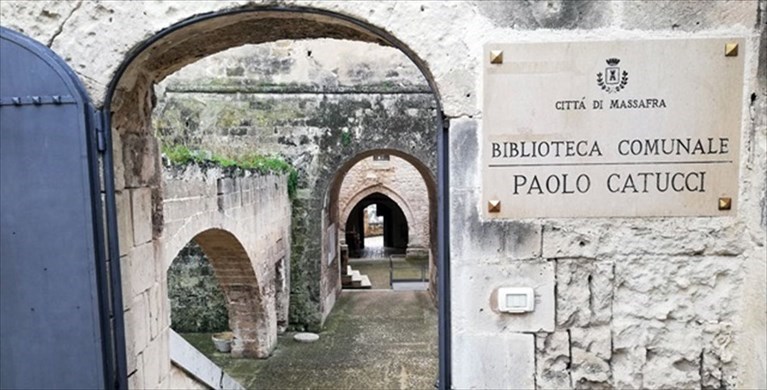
(241, 220)
(672, 302)
(318, 104)
(197, 303)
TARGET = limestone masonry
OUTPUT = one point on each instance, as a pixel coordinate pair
(620, 302)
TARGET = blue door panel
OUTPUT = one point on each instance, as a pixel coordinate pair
(51, 320)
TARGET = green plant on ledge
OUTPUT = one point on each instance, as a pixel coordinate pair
(182, 155)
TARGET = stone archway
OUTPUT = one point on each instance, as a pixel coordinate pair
(136, 153)
(389, 193)
(131, 100)
(235, 276)
(333, 217)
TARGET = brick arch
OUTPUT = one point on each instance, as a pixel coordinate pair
(388, 192)
(334, 187)
(237, 279)
(332, 193)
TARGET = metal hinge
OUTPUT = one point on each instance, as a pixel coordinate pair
(98, 124)
(36, 100)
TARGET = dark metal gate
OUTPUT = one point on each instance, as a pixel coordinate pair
(56, 318)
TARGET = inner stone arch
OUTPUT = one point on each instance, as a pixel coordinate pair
(233, 270)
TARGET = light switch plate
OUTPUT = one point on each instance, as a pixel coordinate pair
(516, 299)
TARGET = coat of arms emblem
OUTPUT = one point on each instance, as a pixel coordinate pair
(613, 80)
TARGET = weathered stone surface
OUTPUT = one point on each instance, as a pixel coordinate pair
(554, 14)
(464, 152)
(141, 204)
(141, 160)
(197, 302)
(305, 337)
(137, 332)
(649, 300)
(124, 221)
(484, 356)
(367, 109)
(664, 320)
(490, 242)
(591, 354)
(584, 292)
(563, 242)
(140, 269)
(552, 360)
(478, 310)
(685, 16)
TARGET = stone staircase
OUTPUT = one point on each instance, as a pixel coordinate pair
(353, 279)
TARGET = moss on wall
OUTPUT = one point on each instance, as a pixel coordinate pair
(196, 300)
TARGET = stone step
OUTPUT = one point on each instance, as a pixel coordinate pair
(355, 280)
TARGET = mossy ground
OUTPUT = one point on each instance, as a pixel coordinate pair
(372, 340)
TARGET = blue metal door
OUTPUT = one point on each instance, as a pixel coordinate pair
(56, 330)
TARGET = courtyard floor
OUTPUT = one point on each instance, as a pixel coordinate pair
(373, 339)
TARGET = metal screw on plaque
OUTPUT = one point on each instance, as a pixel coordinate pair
(730, 49)
(496, 56)
(494, 206)
(725, 203)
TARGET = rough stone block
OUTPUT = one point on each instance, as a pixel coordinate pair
(565, 242)
(591, 353)
(549, 14)
(124, 221)
(584, 292)
(117, 158)
(141, 206)
(155, 310)
(464, 154)
(687, 16)
(589, 371)
(552, 362)
(477, 310)
(494, 361)
(596, 340)
(226, 185)
(152, 364)
(489, 241)
(141, 160)
(136, 331)
(136, 377)
(680, 288)
(138, 270)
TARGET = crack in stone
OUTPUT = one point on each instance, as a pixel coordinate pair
(61, 26)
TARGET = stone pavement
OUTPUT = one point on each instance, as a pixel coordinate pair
(374, 249)
(372, 340)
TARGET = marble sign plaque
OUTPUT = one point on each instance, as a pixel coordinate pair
(612, 129)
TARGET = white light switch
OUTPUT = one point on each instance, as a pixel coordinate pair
(516, 299)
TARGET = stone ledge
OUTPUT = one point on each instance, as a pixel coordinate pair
(194, 363)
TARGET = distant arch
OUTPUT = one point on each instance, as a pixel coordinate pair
(383, 190)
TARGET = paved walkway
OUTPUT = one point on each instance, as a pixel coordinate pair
(372, 340)
(374, 249)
